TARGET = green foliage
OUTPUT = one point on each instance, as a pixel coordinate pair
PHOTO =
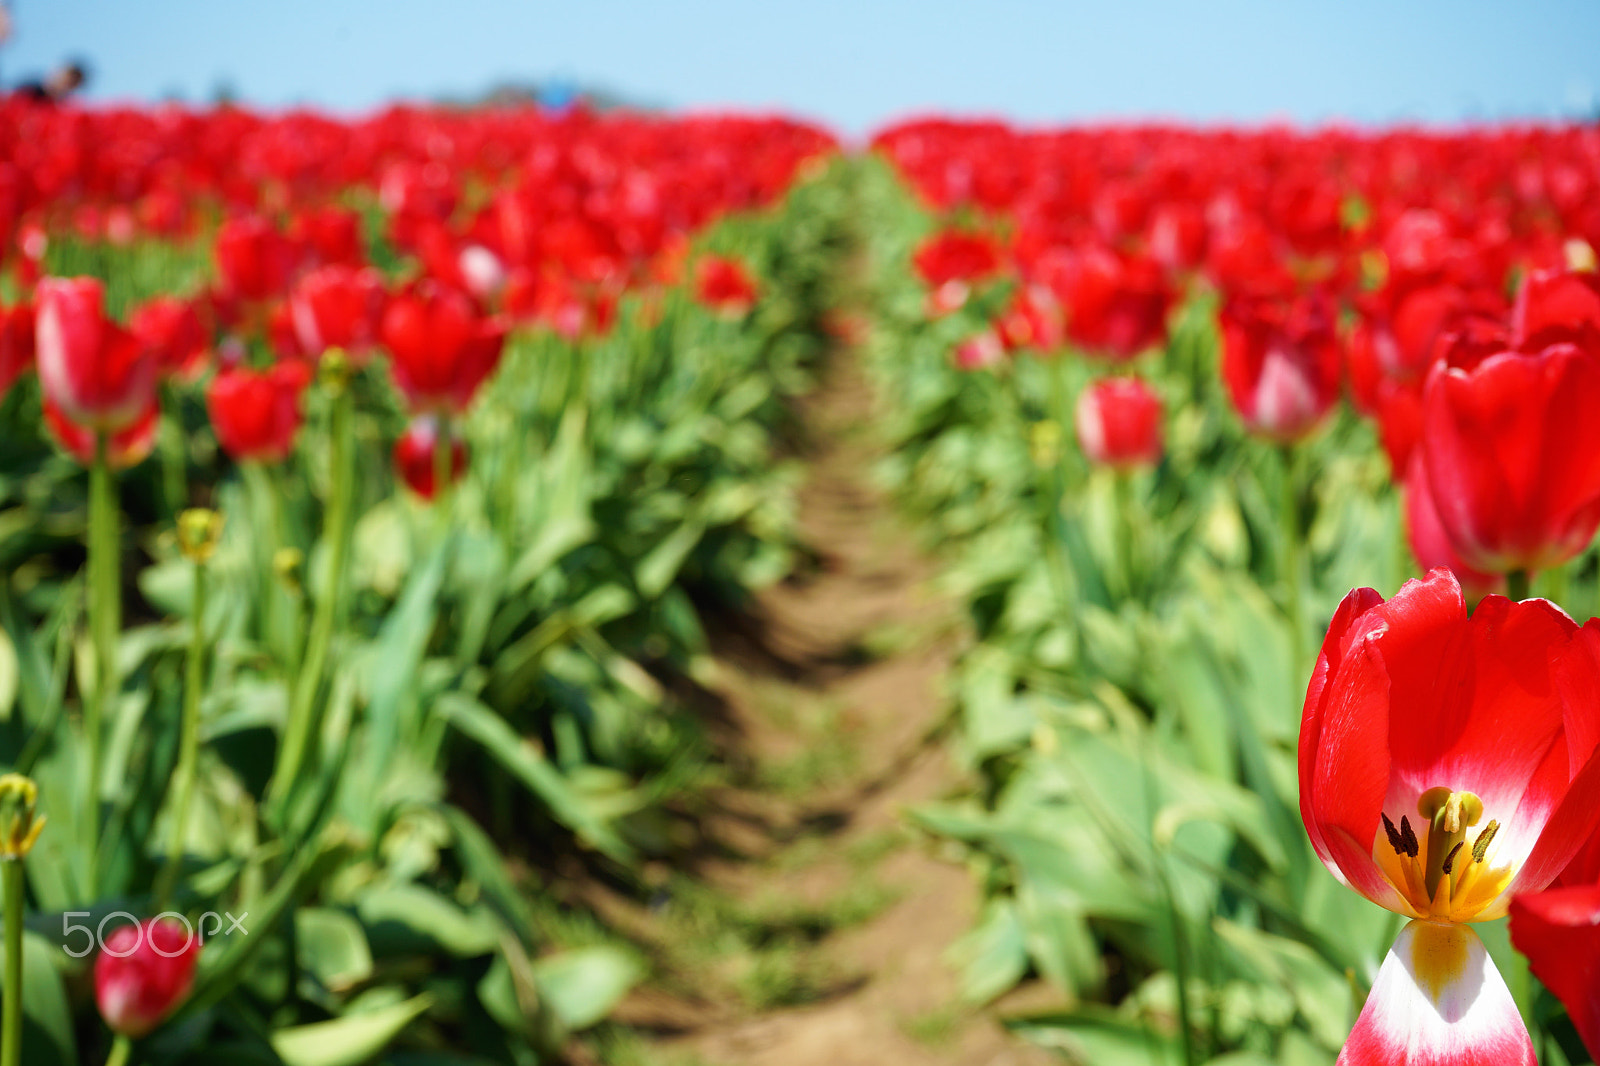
(499, 691)
(1131, 697)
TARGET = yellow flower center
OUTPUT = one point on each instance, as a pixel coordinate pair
(1445, 874)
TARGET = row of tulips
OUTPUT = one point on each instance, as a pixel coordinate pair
(367, 721)
(1146, 604)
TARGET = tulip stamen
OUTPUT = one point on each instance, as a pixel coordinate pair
(1449, 860)
(1480, 848)
(1402, 840)
(1449, 815)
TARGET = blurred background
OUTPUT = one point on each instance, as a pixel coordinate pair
(852, 65)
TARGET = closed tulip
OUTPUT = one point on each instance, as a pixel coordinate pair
(415, 456)
(338, 306)
(126, 447)
(1280, 361)
(1559, 931)
(1119, 423)
(143, 974)
(441, 348)
(256, 413)
(1512, 448)
(97, 373)
(723, 284)
(172, 331)
(254, 260)
(16, 343)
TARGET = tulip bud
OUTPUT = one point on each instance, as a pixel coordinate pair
(19, 827)
(199, 532)
(1119, 423)
(142, 974)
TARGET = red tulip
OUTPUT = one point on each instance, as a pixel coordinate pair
(414, 456)
(1032, 321)
(1559, 931)
(1119, 423)
(97, 373)
(126, 447)
(338, 307)
(1556, 306)
(171, 329)
(256, 413)
(1447, 762)
(1512, 447)
(723, 284)
(1116, 306)
(979, 351)
(1428, 542)
(950, 262)
(16, 343)
(254, 259)
(1177, 235)
(441, 349)
(1399, 411)
(954, 256)
(1281, 364)
(143, 973)
(330, 234)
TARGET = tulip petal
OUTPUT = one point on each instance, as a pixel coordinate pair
(1438, 1001)
(1559, 931)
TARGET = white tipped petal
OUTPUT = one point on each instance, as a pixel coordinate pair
(1438, 1001)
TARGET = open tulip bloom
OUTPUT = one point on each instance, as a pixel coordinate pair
(1446, 764)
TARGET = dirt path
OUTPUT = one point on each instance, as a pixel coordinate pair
(832, 916)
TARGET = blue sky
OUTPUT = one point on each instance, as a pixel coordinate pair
(854, 63)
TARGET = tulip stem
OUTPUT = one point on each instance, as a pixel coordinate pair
(188, 744)
(1517, 583)
(11, 1023)
(104, 608)
(336, 536)
(443, 468)
(1293, 556)
(121, 1047)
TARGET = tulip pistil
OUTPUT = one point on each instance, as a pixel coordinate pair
(1445, 876)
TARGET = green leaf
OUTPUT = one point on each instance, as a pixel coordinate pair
(347, 1041)
(530, 767)
(46, 1018)
(400, 917)
(10, 676)
(657, 569)
(332, 946)
(582, 986)
(993, 956)
(1097, 1037)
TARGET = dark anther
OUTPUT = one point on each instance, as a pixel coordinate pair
(1449, 860)
(1481, 847)
(1407, 837)
(1395, 840)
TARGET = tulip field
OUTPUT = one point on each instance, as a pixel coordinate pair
(380, 500)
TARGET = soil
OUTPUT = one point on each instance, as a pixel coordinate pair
(834, 720)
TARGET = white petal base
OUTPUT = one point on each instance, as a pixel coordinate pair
(1438, 1001)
